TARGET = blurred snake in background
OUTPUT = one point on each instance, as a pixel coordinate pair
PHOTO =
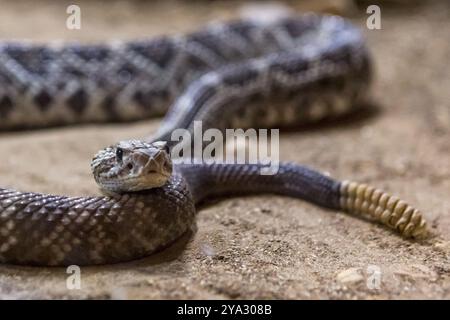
(240, 74)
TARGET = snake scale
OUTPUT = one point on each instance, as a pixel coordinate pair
(243, 74)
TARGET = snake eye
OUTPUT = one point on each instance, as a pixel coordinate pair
(167, 149)
(119, 154)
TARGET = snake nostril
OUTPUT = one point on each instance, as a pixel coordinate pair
(130, 166)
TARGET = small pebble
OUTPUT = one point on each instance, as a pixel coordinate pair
(349, 276)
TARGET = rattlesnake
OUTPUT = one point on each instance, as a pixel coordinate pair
(238, 74)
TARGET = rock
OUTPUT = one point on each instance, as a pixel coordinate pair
(443, 246)
(207, 250)
(349, 276)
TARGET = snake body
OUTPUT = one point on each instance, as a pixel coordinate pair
(238, 74)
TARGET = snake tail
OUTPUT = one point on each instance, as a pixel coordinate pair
(362, 199)
(302, 182)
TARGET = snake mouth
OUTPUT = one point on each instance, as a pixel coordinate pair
(158, 173)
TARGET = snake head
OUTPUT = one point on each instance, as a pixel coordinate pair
(132, 165)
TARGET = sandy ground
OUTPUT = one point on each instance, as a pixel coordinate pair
(264, 246)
